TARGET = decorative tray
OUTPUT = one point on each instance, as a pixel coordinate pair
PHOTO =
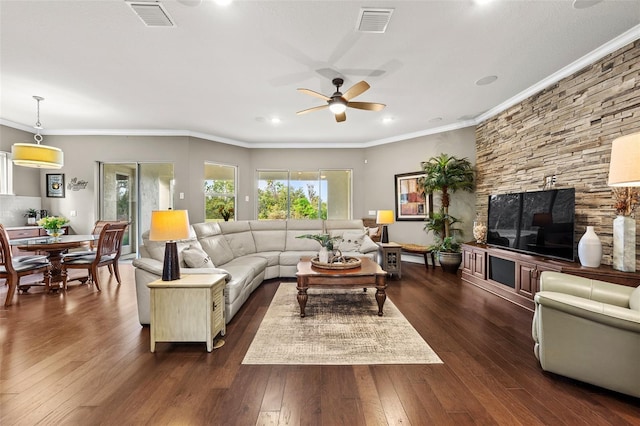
(349, 263)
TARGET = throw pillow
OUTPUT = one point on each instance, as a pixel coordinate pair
(373, 231)
(634, 300)
(351, 241)
(195, 257)
(368, 245)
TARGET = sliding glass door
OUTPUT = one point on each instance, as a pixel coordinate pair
(130, 191)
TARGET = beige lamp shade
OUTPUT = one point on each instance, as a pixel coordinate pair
(169, 225)
(385, 217)
(36, 155)
(624, 168)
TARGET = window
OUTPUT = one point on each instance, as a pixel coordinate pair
(219, 192)
(6, 173)
(301, 194)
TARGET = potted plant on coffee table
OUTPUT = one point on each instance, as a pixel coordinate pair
(326, 244)
(446, 174)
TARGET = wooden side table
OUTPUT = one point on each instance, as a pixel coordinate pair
(190, 309)
(389, 255)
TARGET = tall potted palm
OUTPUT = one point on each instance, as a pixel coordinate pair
(446, 174)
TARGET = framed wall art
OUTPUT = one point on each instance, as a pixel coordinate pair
(55, 185)
(411, 202)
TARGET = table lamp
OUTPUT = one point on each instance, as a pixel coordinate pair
(624, 169)
(384, 218)
(169, 226)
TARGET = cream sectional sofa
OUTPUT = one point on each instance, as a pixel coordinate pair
(248, 252)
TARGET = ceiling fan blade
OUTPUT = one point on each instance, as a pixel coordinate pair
(369, 106)
(341, 117)
(318, 108)
(356, 89)
(316, 94)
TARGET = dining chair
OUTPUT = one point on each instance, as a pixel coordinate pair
(14, 268)
(107, 253)
(93, 245)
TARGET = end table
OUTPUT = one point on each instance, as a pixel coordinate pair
(389, 255)
(190, 309)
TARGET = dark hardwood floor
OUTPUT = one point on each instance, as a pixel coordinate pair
(82, 358)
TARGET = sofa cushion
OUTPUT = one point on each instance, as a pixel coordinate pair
(339, 226)
(272, 257)
(297, 227)
(269, 235)
(195, 257)
(291, 258)
(206, 229)
(242, 270)
(368, 245)
(634, 299)
(217, 248)
(239, 237)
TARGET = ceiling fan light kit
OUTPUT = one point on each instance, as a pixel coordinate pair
(337, 106)
(338, 102)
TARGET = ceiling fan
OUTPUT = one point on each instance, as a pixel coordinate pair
(339, 102)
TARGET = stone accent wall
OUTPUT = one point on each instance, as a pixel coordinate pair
(565, 130)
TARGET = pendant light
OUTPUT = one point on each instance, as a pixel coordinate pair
(35, 154)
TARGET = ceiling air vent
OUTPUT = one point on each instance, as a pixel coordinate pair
(152, 13)
(373, 20)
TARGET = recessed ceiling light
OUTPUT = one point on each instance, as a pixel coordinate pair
(275, 120)
(435, 120)
(486, 80)
(387, 120)
(223, 2)
(482, 1)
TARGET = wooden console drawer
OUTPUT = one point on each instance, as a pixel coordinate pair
(16, 234)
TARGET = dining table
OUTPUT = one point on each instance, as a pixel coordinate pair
(54, 248)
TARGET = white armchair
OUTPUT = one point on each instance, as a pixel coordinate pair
(588, 330)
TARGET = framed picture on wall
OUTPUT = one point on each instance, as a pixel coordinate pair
(55, 185)
(411, 202)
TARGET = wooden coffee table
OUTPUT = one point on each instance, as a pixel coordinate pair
(368, 274)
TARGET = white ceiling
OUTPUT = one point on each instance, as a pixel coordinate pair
(222, 73)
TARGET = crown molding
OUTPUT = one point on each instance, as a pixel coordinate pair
(611, 46)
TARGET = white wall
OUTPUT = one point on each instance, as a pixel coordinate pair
(386, 161)
(373, 181)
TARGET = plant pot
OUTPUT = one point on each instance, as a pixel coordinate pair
(323, 255)
(55, 233)
(450, 262)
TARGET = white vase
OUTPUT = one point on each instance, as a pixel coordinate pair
(624, 244)
(590, 249)
(323, 255)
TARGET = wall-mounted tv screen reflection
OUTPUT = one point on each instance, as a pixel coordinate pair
(539, 222)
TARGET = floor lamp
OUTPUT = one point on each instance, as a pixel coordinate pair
(169, 226)
(384, 218)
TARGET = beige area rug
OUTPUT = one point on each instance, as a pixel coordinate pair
(341, 327)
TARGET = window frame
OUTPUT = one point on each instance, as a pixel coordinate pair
(233, 195)
(320, 183)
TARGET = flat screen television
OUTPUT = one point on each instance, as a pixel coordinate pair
(538, 222)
